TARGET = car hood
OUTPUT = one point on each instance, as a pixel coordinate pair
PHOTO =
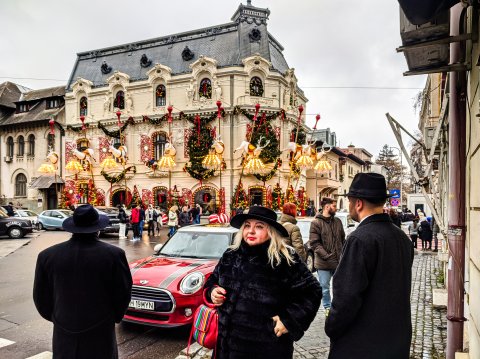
(167, 272)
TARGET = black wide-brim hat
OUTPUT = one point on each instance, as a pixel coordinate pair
(85, 219)
(368, 186)
(260, 214)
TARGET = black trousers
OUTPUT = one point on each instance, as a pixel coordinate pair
(414, 238)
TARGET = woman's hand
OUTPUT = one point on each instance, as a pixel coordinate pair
(279, 328)
(218, 296)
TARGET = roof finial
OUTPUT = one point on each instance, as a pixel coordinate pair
(249, 2)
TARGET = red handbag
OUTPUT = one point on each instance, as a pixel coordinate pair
(205, 326)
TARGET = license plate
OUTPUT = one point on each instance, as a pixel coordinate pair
(142, 304)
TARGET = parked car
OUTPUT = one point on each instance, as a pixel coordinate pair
(304, 223)
(167, 286)
(14, 227)
(112, 213)
(27, 214)
(53, 218)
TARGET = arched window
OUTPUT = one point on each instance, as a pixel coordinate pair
(119, 100)
(160, 96)
(159, 140)
(10, 146)
(50, 142)
(31, 145)
(83, 106)
(21, 146)
(205, 89)
(256, 86)
(20, 185)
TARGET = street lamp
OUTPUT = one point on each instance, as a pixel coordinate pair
(401, 174)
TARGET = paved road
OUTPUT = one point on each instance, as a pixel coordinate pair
(24, 334)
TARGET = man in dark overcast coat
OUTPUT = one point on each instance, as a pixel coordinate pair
(370, 315)
(83, 286)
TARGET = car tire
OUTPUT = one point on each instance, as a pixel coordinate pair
(40, 226)
(310, 262)
(15, 232)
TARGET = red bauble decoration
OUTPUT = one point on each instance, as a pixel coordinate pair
(170, 109)
(118, 113)
(257, 108)
(52, 123)
(317, 118)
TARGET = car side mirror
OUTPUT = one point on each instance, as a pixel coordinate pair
(158, 247)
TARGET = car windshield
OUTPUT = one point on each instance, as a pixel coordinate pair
(196, 245)
(28, 213)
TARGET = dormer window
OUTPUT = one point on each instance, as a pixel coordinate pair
(119, 100)
(83, 106)
(23, 107)
(205, 89)
(256, 87)
(53, 103)
(160, 96)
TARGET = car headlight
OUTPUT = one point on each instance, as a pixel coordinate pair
(192, 283)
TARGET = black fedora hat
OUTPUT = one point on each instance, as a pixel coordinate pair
(368, 186)
(85, 219)
(261, 214)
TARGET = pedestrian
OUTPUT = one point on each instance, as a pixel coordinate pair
(425, 233)
(199, 213)
(151, 218)
(9, 209)
(395, 217)
(326, 240)
(265, 295)
(413, 232)
(83, 286)
(172, 221)
(435, 231)
(135, 221)
(159, 223)
(370, 315)
(141, 223)
(184, 219)
(122, 217)
(294, 238)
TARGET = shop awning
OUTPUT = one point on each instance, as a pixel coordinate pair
(44, 182)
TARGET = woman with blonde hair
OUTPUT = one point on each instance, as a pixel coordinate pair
(172, 220)
(266, 296)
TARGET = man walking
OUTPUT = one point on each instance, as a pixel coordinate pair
(83, 286)
(326, 240)
(370, 314)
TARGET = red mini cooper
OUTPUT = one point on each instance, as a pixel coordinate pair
(167, 287)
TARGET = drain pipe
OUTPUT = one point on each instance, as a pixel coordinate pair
(456, 192)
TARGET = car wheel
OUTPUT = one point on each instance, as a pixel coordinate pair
(310, 262)
(15, 232)
(40, 226)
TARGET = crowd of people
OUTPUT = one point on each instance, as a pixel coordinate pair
(265, 295)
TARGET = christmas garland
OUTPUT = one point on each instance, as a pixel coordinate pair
(271, 152)
(203, 120)
(238, 110)
(155, 121)
(77, 128)
(120, 176)
(116, 133)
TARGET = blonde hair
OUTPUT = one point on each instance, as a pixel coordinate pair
(276, 249)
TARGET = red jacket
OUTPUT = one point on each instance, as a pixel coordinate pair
(135, 215)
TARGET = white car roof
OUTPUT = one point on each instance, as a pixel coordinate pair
(209, 228)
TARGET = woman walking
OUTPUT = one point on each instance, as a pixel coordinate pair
(294, 238)
(172, 220)
(413, 232)
(266, 296)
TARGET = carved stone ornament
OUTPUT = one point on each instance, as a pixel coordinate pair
(255, 35)
(159, 71)
(145, 61)
(187, 54)
(105, 68)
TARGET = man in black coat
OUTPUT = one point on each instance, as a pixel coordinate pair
(370, 315)
(83, 286)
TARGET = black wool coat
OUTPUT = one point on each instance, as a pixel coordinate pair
(83, 286)
(256, 292)
(370, 315)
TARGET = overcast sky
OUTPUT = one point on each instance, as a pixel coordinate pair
(329, 44)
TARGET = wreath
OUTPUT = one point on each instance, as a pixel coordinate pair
(198, 147)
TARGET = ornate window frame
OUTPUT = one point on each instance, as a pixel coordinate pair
(157, 153)
(21, 186)
(20, 146)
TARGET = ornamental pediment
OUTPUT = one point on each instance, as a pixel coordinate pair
(256, 62)
(118, 78)
(159, 71)
(204, 64)
(82, 85)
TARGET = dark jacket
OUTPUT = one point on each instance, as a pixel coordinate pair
(122, 216)
(83, 298)
(294, 235)
(326, 240)
(256, 292)
(184, 219)
(425, 231)
(370, 314)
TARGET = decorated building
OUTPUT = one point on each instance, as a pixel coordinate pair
(31, 130)
(203, 117)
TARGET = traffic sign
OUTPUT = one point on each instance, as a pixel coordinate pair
(394, 202)
(395, 193)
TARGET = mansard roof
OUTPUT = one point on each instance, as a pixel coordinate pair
(33, 95)
(228, 44)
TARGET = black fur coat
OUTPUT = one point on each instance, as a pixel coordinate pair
(256, 292)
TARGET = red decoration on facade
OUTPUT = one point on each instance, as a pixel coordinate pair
(145, 148)
(300, 110)
(100, 197)
(186, 137)
(269, 197)
(170, 109)
(257, 108)
(219, 110)
(69, 148)
(147, 196)
(118, 113)
(222, 200)
(197, 123)
(277, 131)
(103, 146)
(249, 131)
(317, 118)
(82, 118)
(187, 195)
(52, 123)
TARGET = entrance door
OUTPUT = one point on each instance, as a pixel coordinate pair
(256, 197)
(120, 198)
(52, 200)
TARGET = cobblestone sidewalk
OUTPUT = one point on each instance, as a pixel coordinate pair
(428, 324)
